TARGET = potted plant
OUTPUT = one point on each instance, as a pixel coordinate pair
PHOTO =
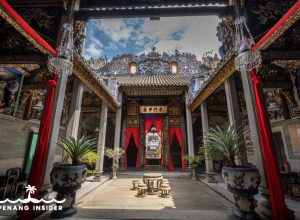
(242, 181)
(67, 178)
(115, 154)
(194, 162)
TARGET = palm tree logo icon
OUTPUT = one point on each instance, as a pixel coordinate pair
(30, 190)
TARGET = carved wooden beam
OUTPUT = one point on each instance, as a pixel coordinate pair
(281, 54)
(221, 75)
(86, 75)
(24, 59)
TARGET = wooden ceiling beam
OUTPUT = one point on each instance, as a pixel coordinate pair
(153, 12)
(24, 59)
(90, 4)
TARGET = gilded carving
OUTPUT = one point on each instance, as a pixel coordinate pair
(133, 122)
(289, 22)
(12, 22)
(133, 108)
(159, 109)
(79, 36)
(174, 121)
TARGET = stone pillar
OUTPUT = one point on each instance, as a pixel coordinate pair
(234, 112)
(209, 168)
(75, 109)
(118, 124)
(264, 208)
(58, 102)
(189, 123)
(166, 146)
(122, 160)
(101, 141)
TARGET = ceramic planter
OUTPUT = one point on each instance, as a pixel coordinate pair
(193, 169)
(243, 182)
(66, 179)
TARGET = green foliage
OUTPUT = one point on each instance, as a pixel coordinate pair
(90, 172)
(76, 149)
(90, 159)
(114, 153)
(194, 160)
(225, 142)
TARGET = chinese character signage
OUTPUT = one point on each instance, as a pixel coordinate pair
(162, 109)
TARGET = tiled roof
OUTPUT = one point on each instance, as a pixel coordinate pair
(155, 80)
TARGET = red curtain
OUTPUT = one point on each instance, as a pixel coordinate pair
(178, 132)
(279, 209)
(23, 24)
(36, 174)
(158, 123)
(135, 133)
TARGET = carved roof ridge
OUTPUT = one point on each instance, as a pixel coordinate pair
(88, 76)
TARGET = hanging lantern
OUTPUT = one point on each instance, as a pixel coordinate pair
(246, 58)
(62, 64)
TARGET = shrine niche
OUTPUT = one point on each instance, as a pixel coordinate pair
(274, 104)
(153, 144)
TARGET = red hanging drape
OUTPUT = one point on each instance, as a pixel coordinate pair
(178, 132)
(23, 24)
(158, 123)
(36, 174)
(135, 133)
(279, 209)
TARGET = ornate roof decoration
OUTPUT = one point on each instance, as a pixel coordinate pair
(153, 63)
(156, 80)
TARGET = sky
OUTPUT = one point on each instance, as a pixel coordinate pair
(111, 37)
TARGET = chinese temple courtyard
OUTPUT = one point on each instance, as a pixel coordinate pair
(189, 200)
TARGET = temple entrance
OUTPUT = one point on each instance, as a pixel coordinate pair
(131, 153)
(175, 153)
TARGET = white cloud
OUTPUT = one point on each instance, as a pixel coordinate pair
(92, 51)
(193, 34)
(197, 38)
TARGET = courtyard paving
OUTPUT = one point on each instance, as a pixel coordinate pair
(189, 200)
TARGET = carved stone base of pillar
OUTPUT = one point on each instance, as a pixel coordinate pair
(97, 177)
(264, 209)
(245, 207)
(67, 207)
(210, 177)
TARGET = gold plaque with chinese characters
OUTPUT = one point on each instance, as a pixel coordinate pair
(161, 109)
(133, 122)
